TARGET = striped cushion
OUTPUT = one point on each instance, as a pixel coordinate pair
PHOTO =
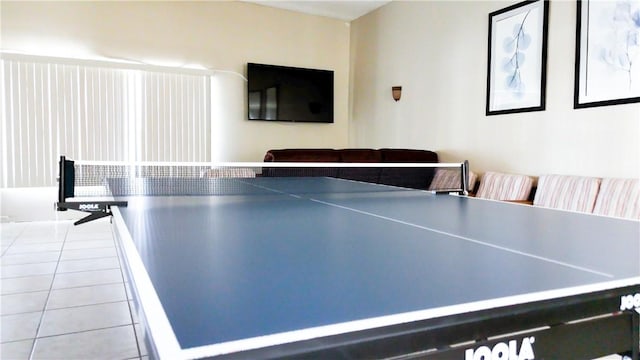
(574, 193)
(619, 198)
(450, 179)
(498, 186)
(229, 173)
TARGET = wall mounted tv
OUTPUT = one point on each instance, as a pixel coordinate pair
(281, 93)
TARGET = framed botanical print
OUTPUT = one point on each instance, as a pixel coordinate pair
(607, 70)
(517, 58)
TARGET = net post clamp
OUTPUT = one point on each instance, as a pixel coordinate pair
(96, 209)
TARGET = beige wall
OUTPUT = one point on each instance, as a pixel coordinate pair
(217, 35)
(437, 51)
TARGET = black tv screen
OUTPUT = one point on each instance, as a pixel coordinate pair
(281, 93)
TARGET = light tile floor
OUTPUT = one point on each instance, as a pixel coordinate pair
(63, 294)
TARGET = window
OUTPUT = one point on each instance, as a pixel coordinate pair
(98, 111)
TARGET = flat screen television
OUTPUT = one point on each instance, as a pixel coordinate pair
(281, 93)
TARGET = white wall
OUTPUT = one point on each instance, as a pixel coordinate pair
(217, 35)
(437, 51)
(32, 204)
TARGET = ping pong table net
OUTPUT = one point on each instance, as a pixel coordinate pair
(84, 179)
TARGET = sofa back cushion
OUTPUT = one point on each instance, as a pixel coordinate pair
(499, 186)
(418, 178)
(619, 198)
(445, 179)
(566, 192)
(415, 178)
(408, 155)
(365, 174)
(302, 155)
(360, 155)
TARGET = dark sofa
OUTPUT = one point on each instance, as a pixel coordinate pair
(417, 178)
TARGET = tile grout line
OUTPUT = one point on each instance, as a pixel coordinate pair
(68, 272)
(85, 305)
(40, 252)
(14, 240)
(21, 254)
(70, 332)
(68, 307)
(84, 331)
(35, 339)
(119, 254)
(65, 240)
(31, 252)
(34, 244)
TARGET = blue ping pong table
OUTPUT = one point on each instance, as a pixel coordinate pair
(336, 269)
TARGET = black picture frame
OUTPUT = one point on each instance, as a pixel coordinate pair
(599, 68)
(517, 58)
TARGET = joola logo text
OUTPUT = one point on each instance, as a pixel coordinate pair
(503, 351)
(89, 207)
(630, 302)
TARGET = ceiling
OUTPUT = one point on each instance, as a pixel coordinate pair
(341, 9)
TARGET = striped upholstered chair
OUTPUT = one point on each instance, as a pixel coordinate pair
(445, 179)
(500, 186)
(565, 192)
(619, 198)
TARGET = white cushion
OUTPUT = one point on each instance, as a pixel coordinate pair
(565, 192)
(450, 179)
(619, 198)
(499, 186)
(229, 173)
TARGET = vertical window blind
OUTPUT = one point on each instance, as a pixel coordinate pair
(98, 111)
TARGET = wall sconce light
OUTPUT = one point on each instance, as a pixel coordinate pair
(396, 91)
